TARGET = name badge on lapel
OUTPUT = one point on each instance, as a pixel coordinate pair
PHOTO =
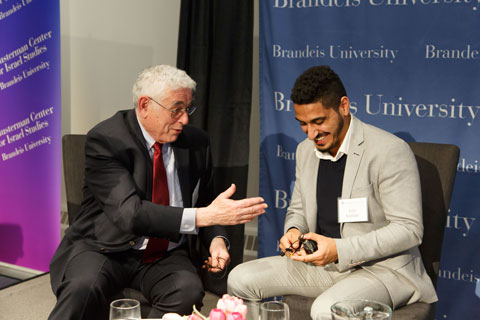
(352, 210)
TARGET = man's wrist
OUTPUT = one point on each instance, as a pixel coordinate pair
(227, 243)
(293, 228)
(200, 218)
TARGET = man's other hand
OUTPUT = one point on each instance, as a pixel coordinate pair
(290, 241)
(219, 257)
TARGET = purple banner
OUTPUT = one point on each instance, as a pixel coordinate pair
(30, 132)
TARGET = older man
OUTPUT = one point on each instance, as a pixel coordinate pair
(146, 171)
(357, 195)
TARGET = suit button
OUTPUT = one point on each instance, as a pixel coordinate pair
(102, 249)
(132, 243)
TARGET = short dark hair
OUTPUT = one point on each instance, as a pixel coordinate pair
(318, 84)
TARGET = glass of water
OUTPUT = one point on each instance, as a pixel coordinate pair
(125, 309)
(253, 307)
(361, 310)
(274, 310)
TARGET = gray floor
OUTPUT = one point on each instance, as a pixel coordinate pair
(28, 300)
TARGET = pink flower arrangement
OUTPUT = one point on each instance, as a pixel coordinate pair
(228, 308)
(194, 317)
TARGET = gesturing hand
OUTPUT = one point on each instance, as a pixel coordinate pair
(226, 211)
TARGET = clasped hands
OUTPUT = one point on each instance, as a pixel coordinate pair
(325, 254)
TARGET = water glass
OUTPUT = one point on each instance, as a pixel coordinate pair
(361, 310)
(125, 309)
(274, 310)
(253, 308)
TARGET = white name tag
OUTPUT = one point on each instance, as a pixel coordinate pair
(352, 210)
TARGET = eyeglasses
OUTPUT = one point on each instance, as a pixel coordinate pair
(178, 112)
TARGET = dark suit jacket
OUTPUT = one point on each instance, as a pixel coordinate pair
(116, 209)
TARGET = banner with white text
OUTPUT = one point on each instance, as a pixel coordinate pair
(30, 142)
(411, 67)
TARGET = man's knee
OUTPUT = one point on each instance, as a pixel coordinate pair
(240, 280)
(80, 288)
(187, 292)
(81, 299)
(191, 290)
(321, 307)
(233, 280)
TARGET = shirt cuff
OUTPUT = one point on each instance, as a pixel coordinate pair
(187, 225)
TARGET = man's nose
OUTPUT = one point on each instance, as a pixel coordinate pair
(183, 118)
(312, 132)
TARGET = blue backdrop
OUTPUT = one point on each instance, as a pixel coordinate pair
(410, 67)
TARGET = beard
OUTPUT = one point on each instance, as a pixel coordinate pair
(335, 135)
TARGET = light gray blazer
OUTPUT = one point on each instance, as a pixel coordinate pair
(382, 168)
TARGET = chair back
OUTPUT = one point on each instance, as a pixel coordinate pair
(437, 166)
(73, 152)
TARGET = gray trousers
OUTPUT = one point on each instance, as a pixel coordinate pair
(278, 276)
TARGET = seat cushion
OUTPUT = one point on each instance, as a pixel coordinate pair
(415, 311)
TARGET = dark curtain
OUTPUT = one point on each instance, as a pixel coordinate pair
(215, 49)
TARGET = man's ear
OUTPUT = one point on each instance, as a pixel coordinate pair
(143, 105)
(344, 108)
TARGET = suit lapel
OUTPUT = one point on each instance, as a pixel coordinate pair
(136, 132)
(311, 206)
(182, 164)
(355, 153)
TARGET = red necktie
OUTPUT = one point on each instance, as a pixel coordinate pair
(156, 247)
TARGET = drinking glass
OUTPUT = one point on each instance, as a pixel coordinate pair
(361, 310)
(125, 309)
(253, 308)
(274, 310)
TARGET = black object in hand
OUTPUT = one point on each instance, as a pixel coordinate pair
(310, 246)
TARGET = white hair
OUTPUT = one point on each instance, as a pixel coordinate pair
(155, 81)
